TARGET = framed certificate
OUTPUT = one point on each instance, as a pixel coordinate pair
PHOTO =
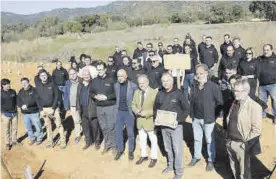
(166, 118)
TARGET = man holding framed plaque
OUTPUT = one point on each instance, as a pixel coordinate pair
(170, 109)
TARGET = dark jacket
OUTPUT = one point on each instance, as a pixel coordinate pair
(103, 86)
(60, 76)
(239, 53)
(112, 71)
(66, 94)
(134, 75)
(212, 99)
(29, 98)
(209, 56)
(223, 48)
(131, 88)
(226, 61)
(267, 70)
(8, 101)
(155, 75)
(249, 68)
(138, 53)
(173, 101)
(117, 58)
(177, 49)
(48, 94)
(194, 62)
(92, 108)
(200, 47)
(193, 47)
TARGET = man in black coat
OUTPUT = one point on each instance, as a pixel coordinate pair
(49, 97)
(227, 42)
(205, 98)
(28, 101)
(9, 113)
(155, 73)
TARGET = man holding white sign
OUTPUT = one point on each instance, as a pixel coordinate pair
(171, 102)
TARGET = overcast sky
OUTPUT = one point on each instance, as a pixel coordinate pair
(30, 7)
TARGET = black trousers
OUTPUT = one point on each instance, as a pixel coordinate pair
(253, 85)
(91, 128)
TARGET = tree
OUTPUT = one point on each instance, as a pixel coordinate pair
(237, 12)
(72, 26)
(175, 18)
(267, 8)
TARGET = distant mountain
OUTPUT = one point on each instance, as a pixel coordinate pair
(131, 9)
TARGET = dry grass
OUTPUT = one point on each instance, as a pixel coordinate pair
(101, 45)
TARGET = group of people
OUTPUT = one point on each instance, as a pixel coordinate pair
(128, 93)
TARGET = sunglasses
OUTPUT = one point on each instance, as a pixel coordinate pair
(160, 45)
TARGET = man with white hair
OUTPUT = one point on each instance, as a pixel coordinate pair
(244, 129)
(172, 100)
(142, 106)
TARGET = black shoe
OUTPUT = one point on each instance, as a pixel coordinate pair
(167, 170)
(193, 162)
(209, 166)
(152, 163)
(97, 146)
(130, 155)
(106, 150)
(8, 147)
(118, 155)
(86, 146)
(141, 160)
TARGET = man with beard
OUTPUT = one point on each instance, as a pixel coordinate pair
(102, 91)
(205, 98)
(49, 96)
(267, 77)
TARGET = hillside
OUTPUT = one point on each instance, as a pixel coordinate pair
(132, 9)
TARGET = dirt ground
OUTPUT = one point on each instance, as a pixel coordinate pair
(73, 163)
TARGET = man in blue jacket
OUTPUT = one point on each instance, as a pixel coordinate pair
(124, 90)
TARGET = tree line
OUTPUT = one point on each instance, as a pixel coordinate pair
(52, 26)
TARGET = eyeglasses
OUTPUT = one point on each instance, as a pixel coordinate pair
(151, 55)
(160, 45)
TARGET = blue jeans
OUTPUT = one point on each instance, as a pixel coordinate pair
(33, 119)
(124, 118)
(188, 81)
(198, 128)
(270, 90)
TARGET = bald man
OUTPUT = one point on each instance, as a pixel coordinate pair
(124, 90)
